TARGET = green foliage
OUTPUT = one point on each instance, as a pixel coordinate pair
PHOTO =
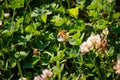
(74, 12)
(29, 39)
(16, 4)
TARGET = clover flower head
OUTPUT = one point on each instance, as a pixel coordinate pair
(0, 22)
(86, 47)
(95, 40)
(6, 15)
(35, 51)
(117, 67)
(38, 78)
(46, 75)
(22, 78)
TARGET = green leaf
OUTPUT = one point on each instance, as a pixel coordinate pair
(58, 21)
(52, 36)
(1, 53)
(36, 12)
(89, 65)
(27, 18)
(77, 35)
(20, 20)
(16, 4)
(32, 62)
(60, 10)
(42, 45)
(6, 33)
(12, 62)
(60, 56)
(108, 74)
(11, 27)
(46, 44)
(44, 18)
(1, 14)
(95, 4)
(93, 13)
(28, 37)
(101, 24)
(80, 26)
(74, 12)
(2, 64)
(31, 28)
(28, 65)
(76, 39)
(72, 55)
(116, 15)
(72, 41)
(20, 55)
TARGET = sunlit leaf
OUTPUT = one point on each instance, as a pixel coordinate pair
(116, 15)
(76, 39)
(28, 37)
(71, 56)
(44, 18)
(74, 12)
(6, 33)
(31, 28)
(58, 21)
(16, 4)
(60, 56)
(12, 62)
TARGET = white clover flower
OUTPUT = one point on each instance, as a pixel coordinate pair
(0, 22)
(38, 78)
(117, 67)
(47, 74)
(95, 40)
(22, 78)
(92, 41)
(86, 47)
(6, 15)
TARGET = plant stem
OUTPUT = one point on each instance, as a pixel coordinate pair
(68, 4)
(64, 45)
(94, 64)
(60, 3)
(19, 69)
(104, 67)
(13, 14)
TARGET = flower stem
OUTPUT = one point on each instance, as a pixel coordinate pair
(13, 14)
(19, 68)
(64, 44)
(94, 64)
(68, 4)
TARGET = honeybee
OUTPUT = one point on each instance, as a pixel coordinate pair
(63, 36)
